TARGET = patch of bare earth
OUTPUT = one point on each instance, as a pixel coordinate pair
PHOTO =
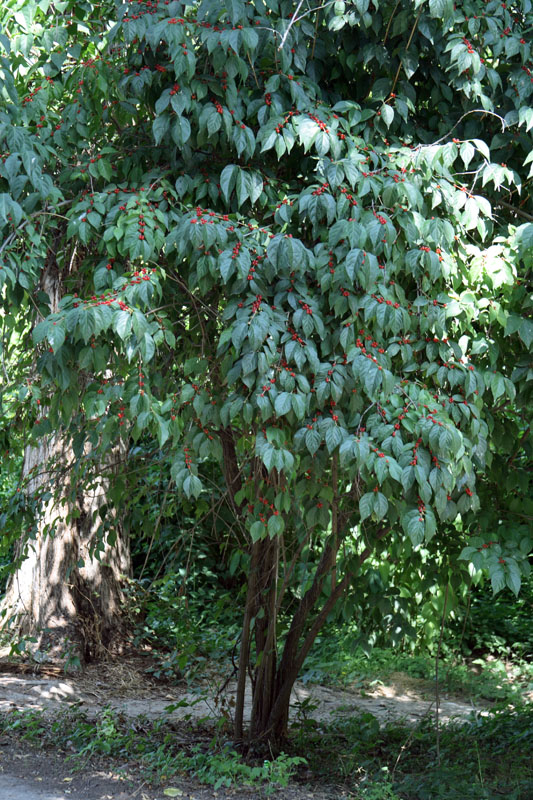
(126, 686)
(35, 774)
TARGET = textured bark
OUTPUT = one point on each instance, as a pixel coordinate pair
(265, 636)
(61, 594)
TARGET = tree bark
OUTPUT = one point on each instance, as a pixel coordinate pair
(66, 592)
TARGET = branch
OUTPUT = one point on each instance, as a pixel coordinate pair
(12, 236)
(395, 81)
(390, 22)
(230, 467)
(295, 18)
(514, 209)
(291, 23)
(519, 445)
(461, 118)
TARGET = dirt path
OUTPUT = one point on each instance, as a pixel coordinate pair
(33, 774)
(403, 698)
(28, 773)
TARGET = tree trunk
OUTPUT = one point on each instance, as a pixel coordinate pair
(67, 590)
(273, 679)
(272, 727)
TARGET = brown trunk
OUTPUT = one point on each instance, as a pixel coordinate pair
(66, 591)
(294, 653)
(61, 594)
(265, 636)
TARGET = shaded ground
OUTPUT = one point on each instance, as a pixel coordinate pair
(126, 687)
(34, 774)
(30, 774)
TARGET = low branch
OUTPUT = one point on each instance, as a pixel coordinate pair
(519, 445)
(514, 209)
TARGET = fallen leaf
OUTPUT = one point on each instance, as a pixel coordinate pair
(173, 792)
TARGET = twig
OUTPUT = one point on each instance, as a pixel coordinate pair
(253, 71)
(437, 698)
(291, 23)
(517, 211)
(294, 18)
(390, 21)
(315, 36)
(461, 118)
(406, 49)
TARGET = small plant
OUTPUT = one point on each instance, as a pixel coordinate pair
(153, 745)
(380, 788)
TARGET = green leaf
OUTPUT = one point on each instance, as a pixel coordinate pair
(160, 127)
(283, 403)
(258, 530)
(366, 505)
(227, 180)
(513, 578)
(192, 486)
(497, 578)
(312, 440)
(381, 505)
(387, 114)
(275, 526)
(298, 405)
(414, 526)
(333, 437)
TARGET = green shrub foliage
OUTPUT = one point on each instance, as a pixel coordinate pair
(293, 242)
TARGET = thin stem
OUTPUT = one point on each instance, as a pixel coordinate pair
(437, 698)
(407, 48)
(390, 22)
(156, 528)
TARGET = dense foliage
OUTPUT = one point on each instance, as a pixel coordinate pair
(293, 247)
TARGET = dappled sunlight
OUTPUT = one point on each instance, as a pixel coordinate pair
(403, 698)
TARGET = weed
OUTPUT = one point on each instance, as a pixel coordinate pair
(482, 759)
(154, 746)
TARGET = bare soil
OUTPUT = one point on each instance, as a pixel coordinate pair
(28, 773)
(126, 687)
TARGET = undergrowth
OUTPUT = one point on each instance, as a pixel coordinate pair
(493, 637)
(483, 758)
(334, 661)
(161, 749)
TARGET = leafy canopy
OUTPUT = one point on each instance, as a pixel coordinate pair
(301, 234)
